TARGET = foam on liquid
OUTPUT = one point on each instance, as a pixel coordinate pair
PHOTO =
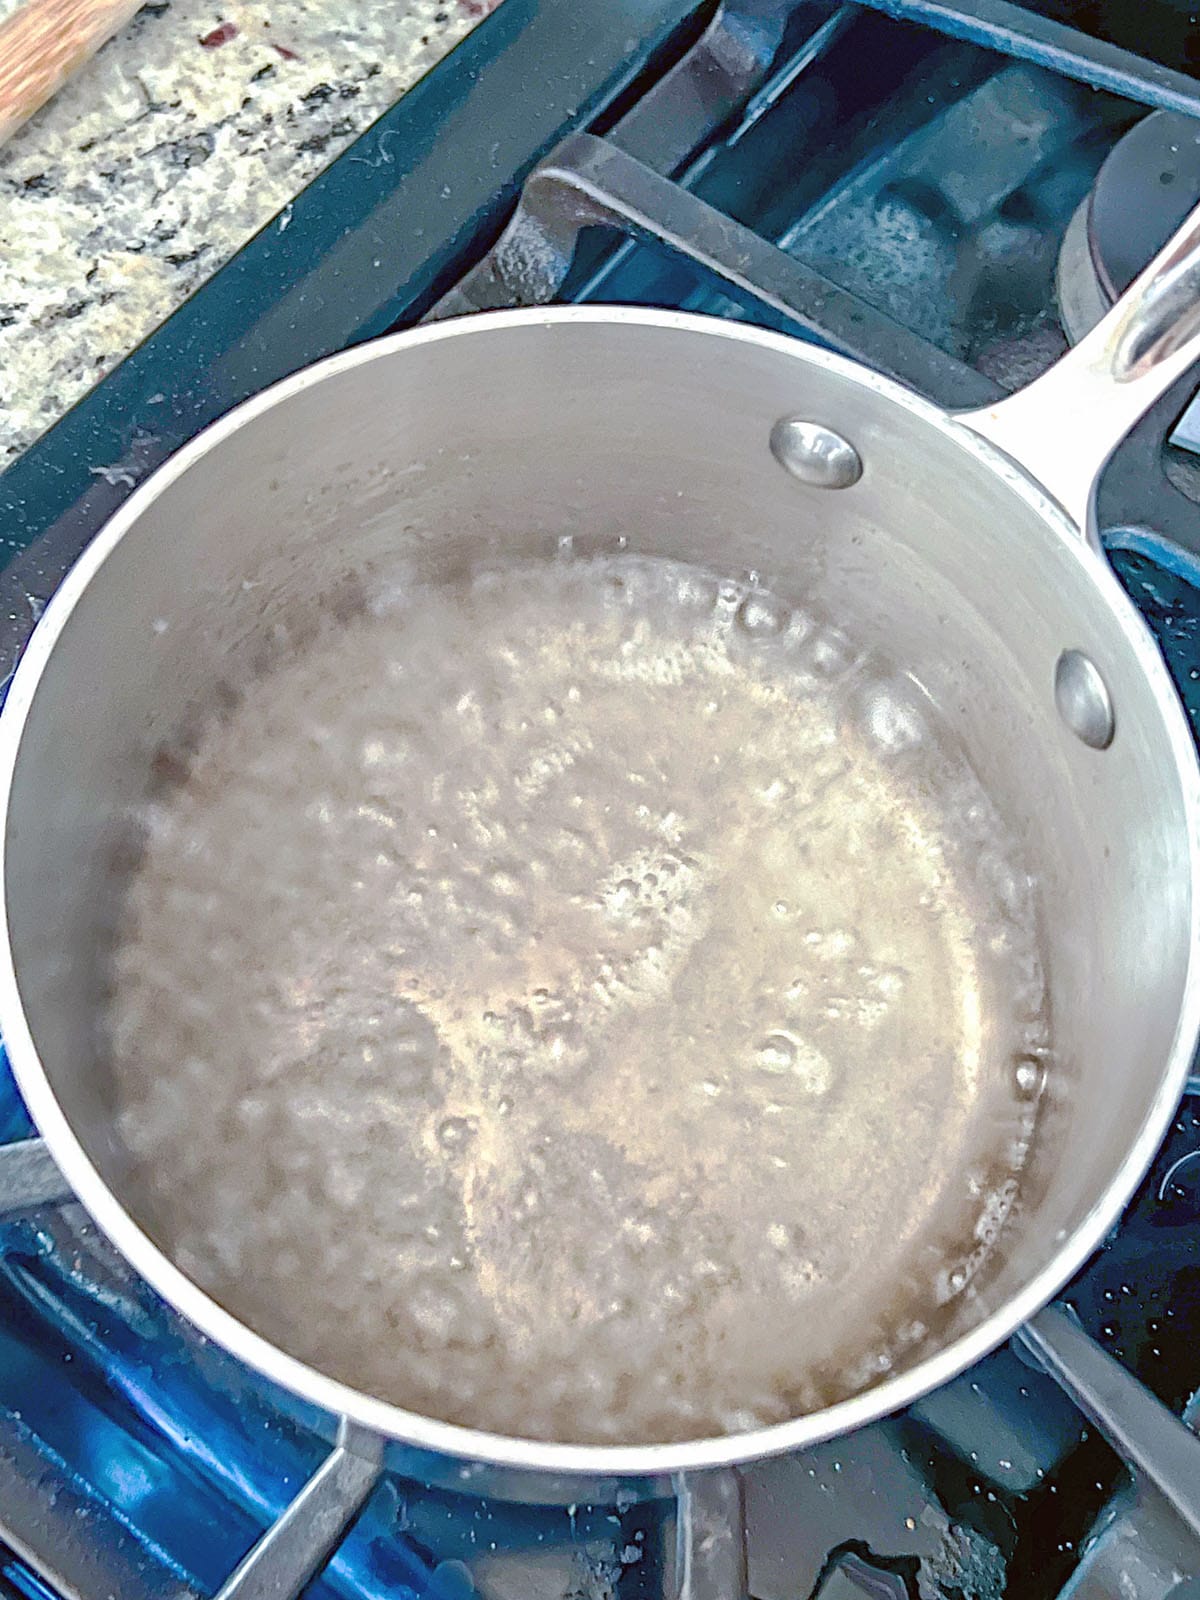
(593, 1002)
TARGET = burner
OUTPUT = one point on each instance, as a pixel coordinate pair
(1149, 182)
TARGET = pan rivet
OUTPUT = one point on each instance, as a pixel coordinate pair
(815, 454)
(1083, 700)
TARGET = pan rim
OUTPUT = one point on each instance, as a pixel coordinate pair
(455, 1440)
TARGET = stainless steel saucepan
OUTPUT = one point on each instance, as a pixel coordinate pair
(965, 542)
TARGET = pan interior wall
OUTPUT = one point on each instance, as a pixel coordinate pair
(652, 441)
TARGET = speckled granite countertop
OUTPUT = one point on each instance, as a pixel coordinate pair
(188, 131)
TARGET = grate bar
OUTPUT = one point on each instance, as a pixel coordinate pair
(72, 1542)
(589, 182)
(297, 1546)
(710, 1536)
(29, 1177)
(1151, 1439)
(1017, 31)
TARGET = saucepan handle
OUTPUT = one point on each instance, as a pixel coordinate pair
(1063, 427)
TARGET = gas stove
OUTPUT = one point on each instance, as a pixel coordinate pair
(951, 191)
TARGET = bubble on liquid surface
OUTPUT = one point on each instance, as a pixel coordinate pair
(776, 1053)
(786, 1053)
(761, 616)
(543, 989)
(954, 1282)
(832, 653)
(456, 1132)
(892, 718)
(1028, 1074)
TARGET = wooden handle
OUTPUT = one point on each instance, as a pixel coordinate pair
(43, 43)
